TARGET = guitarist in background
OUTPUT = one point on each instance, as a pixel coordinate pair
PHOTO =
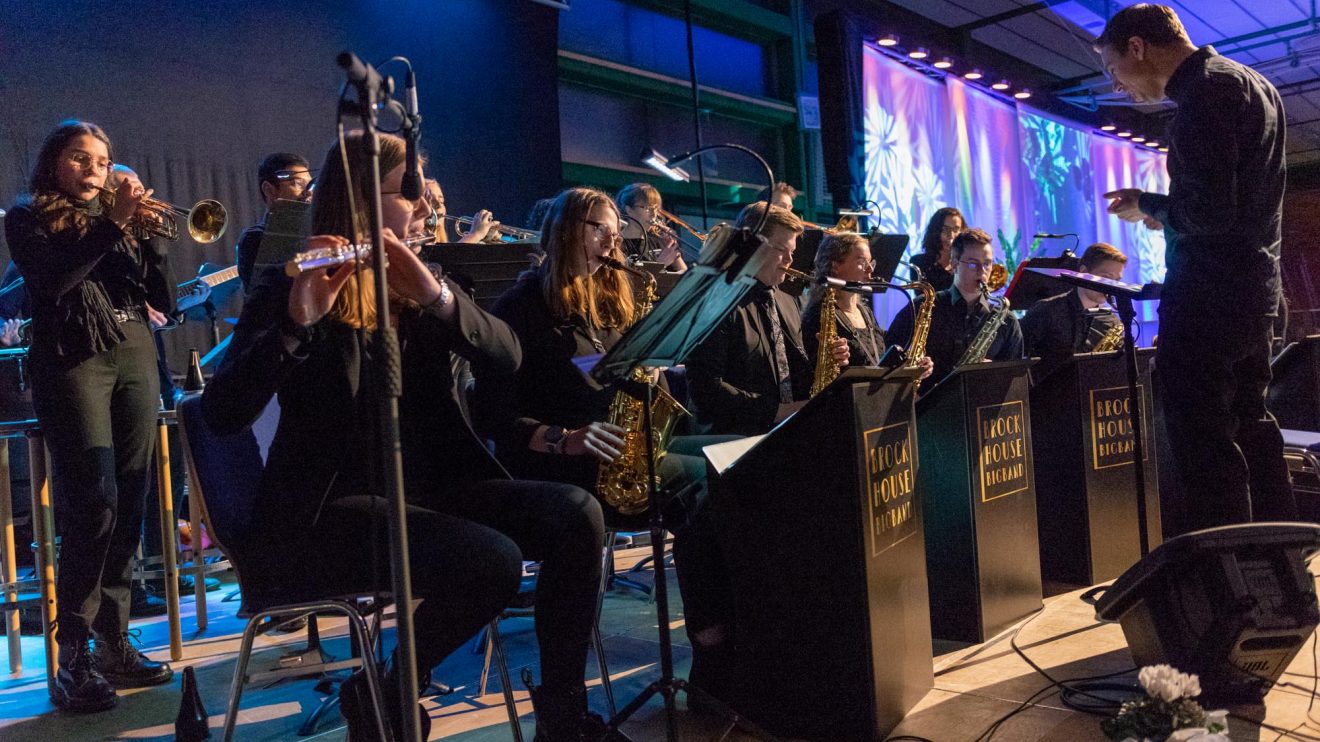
(15, 306)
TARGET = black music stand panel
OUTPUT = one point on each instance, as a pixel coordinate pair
(828, 570)
(977, 489)
(1085, 486)
(1294, 393)
(484, 269)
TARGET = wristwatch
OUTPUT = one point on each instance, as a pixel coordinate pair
(555, 436)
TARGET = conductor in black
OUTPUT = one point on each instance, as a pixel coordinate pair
(1221, 219)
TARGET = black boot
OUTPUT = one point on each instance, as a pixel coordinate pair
(123, 665)
(78, 686)
(355, 705)
(561, 713)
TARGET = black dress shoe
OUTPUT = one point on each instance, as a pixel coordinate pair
(122, 664)
(78, 686)
(143, 604)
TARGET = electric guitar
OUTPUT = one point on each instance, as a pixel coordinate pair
(195, 292)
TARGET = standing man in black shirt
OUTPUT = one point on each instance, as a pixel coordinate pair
(282, 175)
(1056, 328)
(960, 310)
(1221, 219)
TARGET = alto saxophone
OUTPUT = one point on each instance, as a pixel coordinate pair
(1111, 341)
(980, 347)
(920, 325)
(622, 483)
(826, 367)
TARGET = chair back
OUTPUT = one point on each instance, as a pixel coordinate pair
(226, 472)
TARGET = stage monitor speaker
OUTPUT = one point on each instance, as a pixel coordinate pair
(1232, 604)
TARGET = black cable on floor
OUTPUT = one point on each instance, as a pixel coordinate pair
(1072, 687)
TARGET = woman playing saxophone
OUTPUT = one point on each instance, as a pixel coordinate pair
(846, 257)
(550, 420)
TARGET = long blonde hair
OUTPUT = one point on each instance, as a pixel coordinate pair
(604, 299)
(331, 214)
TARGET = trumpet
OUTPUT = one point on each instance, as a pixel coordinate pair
(206, 220)
(844, 225)
(661, 214)
(799, 275)
(504, 230)
(329, 257)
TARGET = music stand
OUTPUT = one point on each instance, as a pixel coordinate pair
(702, 299)
(287, 226)
(887, 252)
(1029, 286)
(1123, 294)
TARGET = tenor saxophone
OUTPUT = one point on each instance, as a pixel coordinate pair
(826, 367)
(920, 325)
(622, 483)
(980, 346)
(1112, 339)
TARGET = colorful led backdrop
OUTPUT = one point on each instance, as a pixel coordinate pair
(1012, 170)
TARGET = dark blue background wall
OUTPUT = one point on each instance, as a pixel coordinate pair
(193, 94)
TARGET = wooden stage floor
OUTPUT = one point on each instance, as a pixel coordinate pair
(974, 685)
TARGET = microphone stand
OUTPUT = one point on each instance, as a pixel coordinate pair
(1127, 314)
(389, 388)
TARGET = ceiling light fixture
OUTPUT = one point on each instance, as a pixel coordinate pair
(888, 39)
(943, 63)
(1001, 85)
(974, 75)
(1022, 94)
(919, 53)
(1108, 127)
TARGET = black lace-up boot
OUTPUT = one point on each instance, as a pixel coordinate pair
(122, 664)
(78, 686)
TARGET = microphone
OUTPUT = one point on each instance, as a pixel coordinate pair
(838, 283)
(411, 187)
(1051, 236)
(359, 73)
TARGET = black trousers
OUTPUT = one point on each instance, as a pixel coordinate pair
(99, 422)
(702, 575)
(467, 548)
(1227, 449)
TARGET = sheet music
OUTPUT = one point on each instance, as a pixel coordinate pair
(723, 455)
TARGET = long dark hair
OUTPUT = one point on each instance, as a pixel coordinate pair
(331, 214)
(604, 299)
(51, 205)
(930, 241)
(42, 179)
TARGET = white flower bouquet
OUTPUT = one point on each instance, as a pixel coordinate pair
(1168, 713)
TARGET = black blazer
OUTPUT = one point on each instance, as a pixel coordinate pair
(78, 276)
(323, 447)
(548, 389)
(731, 376)
(1055, 328)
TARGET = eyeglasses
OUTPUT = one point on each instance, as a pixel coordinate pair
(950, 230)
(867, 264)
(87, 162)
(603, 232)
(977, 265)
